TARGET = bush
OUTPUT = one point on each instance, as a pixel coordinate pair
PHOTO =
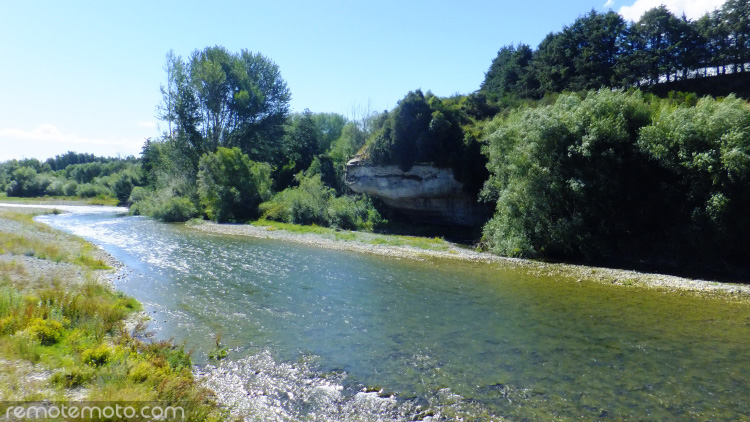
(56, 188)
(314, 203)
(304, 204)
(122, 188)
(173, 203)
(91, 190)
(138, 194)
(74, 377)
(231, 186)
(351, 213)
(97, 356)
(70, 188)
(47, 331)
(617, 177)
(175, 209)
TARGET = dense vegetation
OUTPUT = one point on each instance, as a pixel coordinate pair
(427, 129)
(609, 174)
(233, 152)
(75, 326)
(622, 177)
(71, 175)
(603, 50)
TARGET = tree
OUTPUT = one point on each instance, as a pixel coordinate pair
(657, 37)
(217, 98)
(734, 16)
(552, 63)
(302, 140)
(706, 150)
(566, 178)
(330, 126)
(511, 73)
(596, 42)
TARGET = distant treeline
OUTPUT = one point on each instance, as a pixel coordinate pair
(71, 174)
(603, 50)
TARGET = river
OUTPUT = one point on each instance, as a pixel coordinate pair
(331, 335)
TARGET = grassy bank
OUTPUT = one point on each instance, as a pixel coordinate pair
(427, 243)
(63, 333)
(58, 200)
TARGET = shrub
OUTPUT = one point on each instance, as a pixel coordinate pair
(175, 209)
(91, 190)
(70, 188)
(351, 213)
(74, 377)
(48, 332)
(314, 203)
(138, 194)
(163, 204)
(303, 204)
(97, 356)
(56, 188)
(122, 188)
(231, 186)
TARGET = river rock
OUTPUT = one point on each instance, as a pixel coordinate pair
(424, 193)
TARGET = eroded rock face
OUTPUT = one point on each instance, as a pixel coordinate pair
(424, 193)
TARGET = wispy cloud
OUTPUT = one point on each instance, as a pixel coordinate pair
(47, 140)
(693, 9)
(609, 4)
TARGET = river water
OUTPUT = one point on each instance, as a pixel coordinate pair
(331, 335)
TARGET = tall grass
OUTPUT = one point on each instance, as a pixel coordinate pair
(76, 328)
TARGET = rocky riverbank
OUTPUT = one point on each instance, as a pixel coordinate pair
(379, 245)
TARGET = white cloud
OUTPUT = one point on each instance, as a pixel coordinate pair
(47, 140)
(693, 9)
(609, 4)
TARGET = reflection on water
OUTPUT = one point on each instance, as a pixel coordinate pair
(318, 333)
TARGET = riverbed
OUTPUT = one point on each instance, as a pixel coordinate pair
(321, 334)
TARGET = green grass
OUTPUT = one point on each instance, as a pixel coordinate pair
(62, 200)
(428, 243)
(76, 330)
(293, 228)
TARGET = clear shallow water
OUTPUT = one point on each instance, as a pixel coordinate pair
(313, 331)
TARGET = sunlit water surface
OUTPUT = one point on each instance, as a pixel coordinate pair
(329, 335)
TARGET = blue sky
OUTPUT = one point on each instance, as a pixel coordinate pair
(85, 75)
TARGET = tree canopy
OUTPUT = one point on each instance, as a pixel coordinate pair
(217, 98)
(601, 49)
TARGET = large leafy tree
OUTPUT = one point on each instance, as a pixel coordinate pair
(217, 98)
